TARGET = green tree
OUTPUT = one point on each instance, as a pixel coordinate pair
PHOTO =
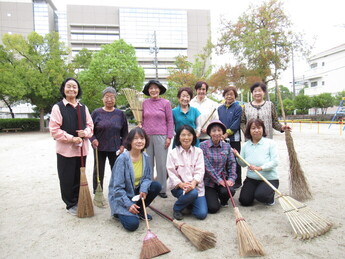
(303, 103)
(201, 68)
(338, 97)
(289, 106)
(263, 39)
(114, 65)
(40, 66)
(323, 101)
(82, 60)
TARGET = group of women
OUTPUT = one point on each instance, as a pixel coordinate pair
(197, 170)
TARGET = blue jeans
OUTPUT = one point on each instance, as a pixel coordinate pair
(131, 223)
(191, 198)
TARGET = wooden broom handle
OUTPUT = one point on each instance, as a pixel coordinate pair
(281, 101)
(227, 187)
(161, 213)
(79, 126)
(209, 117)
(97, 165)
(145, 213)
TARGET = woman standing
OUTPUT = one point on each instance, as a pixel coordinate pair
(131, 175)
(70, 138)
(219, 160)
(186, 171)
(261, 109)
(230, 115)
(159, 125)
(261, 153)
(111, 129)
(184, 114)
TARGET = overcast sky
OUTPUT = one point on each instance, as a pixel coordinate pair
(322, 21)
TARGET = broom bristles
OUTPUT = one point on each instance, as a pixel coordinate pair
(201, 239)
(135, 100)
(85, 207)
(299, 187)
(152, 246)
(305, 223)
(248, 244)
(99, 199)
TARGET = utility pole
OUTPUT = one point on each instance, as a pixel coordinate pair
(293, 75)
(155, 50)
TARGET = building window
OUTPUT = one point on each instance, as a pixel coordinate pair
(313, 65)
(323, 64)
(313, 84)
(323, 82)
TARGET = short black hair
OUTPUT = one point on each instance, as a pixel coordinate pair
(178, 133)
(187, 89)
(258, 123)
(130, 137)
(62, 87)
(199, 84)
(258, 84)
(228, 89)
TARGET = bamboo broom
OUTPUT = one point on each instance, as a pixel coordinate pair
(299, 187)
(99, 199)
(201, 239)
(305, 223)
(85, 207)
(135, 100)
(152, 246)
(248, 245)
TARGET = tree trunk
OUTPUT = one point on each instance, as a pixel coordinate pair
(42, 119)
(9, 107)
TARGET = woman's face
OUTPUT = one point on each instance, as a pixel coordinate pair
(201, 92)
(109, 100)
(138, 142)
(258, 94)
(71, 89)
(186, 139)
(216, 134)
(229, 97)
(256, 131)
(184, 98)
(154, 91)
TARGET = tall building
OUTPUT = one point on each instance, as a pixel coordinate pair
(326, 72)
(158, 35)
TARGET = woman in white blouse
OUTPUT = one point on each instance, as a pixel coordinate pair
(186, 169)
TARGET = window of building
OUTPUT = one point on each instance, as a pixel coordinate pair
(323, 82)
(313, 65)
(323, 64)
(313, 84)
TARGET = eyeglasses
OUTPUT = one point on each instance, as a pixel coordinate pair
(109, 97)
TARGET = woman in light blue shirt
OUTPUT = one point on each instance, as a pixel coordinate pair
(261, 153)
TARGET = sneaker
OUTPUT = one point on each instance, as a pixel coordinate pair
(177, 215)
(224, 205)
(271, 204)
(163, 195)
(237, 186)
(73, 210)
(142, 216)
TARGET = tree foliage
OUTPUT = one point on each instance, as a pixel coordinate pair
(114, 65)
(262, 39)
(38, 66)
(303, 103)
(323, 101)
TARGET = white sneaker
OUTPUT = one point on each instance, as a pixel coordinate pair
(270, 204)
(73, 210)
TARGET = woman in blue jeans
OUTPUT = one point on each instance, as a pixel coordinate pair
(131, 175)
(186, 169)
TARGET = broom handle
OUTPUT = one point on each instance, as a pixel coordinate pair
(161, 213)
(97, 165)
(281, 101)
(79, 126)
(227, 187)
(259, 174)
(144, 207)
(209, 117)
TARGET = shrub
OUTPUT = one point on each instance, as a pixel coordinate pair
(25, 124)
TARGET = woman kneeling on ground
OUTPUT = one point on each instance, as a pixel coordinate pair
(261, 153)
(219, 161)
(131, 175)
(185, 165)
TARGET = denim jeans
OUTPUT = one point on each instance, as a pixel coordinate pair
(191, 198)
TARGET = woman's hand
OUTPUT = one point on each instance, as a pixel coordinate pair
(95, 143)
(143, 195)
(81, 133)
(253, 167)
(234, 151)
(122, 148)
(203, 130)
(167, 143)
(230, 183)
(286, 127)
(186, 187)
(77, 140)
(225, 136)
(134, 209)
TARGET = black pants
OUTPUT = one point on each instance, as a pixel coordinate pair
(102, 156)
(215, 196)
(257, 189)
(153, 191)
(69, 176)
(237, 145)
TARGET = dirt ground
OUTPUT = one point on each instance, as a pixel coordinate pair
(34, 222)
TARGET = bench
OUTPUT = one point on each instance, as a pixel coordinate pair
(12, 129)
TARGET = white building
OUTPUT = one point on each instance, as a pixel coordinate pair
(326, 73)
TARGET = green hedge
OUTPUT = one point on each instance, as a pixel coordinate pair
(25, 124)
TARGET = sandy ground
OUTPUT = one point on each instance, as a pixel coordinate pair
(34, 222)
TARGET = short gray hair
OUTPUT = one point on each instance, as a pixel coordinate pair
(109, 90)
